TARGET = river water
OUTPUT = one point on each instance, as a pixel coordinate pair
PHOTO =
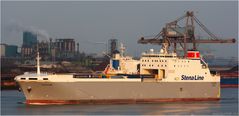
(12, 104)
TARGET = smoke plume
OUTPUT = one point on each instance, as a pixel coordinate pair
(18, 27)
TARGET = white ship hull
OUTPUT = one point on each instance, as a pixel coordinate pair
(117, 91)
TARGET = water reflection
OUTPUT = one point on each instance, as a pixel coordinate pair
(228, 105)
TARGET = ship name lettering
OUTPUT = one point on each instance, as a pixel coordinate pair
(195, 77)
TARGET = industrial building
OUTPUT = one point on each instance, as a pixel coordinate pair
(9, 51)
(113, 45)
(44, 50)
(3, 47)
(65, 48)
(29, 44)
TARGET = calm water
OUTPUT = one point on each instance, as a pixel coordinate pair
(11, 103)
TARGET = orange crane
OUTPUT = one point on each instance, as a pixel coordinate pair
(174, 34)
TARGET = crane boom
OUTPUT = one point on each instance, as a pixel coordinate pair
(174, 34)
(160, 41)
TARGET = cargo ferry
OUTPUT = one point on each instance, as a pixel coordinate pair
(158, 76)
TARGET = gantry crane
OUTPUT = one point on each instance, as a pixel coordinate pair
(174, 34)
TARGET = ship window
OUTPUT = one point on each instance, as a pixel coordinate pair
(165, 65)
(45, 78)
(32, 78)
(76, 76)
(161, 65)
(174, 65)
(23, 78)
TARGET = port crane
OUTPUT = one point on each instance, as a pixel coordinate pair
(174, 34)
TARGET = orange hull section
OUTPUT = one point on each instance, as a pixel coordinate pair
(117, 101)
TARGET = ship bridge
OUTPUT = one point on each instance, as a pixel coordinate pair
(160, 54)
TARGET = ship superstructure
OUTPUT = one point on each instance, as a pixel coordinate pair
(120, 64)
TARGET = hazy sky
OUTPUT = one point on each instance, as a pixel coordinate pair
(93, 22)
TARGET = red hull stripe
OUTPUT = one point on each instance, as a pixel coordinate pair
(117, 101)
(229, 85)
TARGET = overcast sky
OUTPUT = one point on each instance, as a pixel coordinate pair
(93, 22)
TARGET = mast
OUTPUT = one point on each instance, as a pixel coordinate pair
(38, 64)
(122, 49)
(38, 61)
